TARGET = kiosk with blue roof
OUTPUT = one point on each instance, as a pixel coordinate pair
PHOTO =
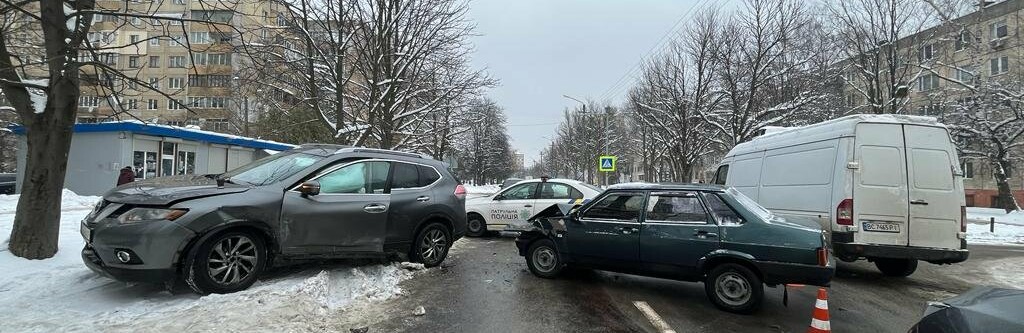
(100, 151)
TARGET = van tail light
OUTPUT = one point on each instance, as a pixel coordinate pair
(460, 191)
(844, 212)
(963, 219)
(822, 256)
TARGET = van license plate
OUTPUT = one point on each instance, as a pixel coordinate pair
(881, 226)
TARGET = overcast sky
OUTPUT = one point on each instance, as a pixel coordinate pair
(542, 49)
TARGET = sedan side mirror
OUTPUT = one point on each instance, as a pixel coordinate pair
(309, 188)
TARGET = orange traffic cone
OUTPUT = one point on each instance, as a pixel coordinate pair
(819, 322)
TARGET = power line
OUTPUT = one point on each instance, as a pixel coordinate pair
(618, 85)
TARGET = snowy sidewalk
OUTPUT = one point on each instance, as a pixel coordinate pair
(982, 215)
(61, 295)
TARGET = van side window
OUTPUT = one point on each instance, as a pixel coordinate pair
(720, 176)
(721, 210)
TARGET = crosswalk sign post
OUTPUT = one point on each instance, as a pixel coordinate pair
(606, 163)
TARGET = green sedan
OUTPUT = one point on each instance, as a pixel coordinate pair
(688, 232)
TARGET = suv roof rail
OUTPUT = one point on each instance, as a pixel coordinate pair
(383, 151)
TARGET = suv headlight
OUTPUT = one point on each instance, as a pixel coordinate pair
(150, 214)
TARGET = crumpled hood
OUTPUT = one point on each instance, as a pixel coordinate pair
(170, 189)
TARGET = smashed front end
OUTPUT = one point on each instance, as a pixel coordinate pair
(548, 223)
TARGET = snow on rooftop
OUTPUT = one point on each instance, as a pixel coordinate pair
(193, 129)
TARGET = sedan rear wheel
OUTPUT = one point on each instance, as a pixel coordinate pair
(734, 288)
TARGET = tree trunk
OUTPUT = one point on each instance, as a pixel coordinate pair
(1005, 197)
(37, 222)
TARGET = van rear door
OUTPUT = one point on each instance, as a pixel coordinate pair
(935, 192)
(880, 185)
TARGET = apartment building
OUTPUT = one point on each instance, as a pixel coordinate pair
(983, 46)
(180, 60)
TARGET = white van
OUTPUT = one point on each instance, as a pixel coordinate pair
(888, 188)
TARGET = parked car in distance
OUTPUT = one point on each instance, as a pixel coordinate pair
(508, 209)
(8, 183)
(688, 232)
(218, 233)
(888, 188)
(509, 182)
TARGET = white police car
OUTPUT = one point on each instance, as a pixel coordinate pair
(509, 208)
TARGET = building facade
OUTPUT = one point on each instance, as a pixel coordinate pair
(943, 68)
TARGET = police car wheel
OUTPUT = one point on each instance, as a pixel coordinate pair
(475, 226)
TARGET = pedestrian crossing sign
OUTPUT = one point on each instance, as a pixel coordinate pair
(606, 163)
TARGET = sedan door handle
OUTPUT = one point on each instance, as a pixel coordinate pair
(375, 208)
(918, 202)
(704, 234)
(628, 230)
(423, 199)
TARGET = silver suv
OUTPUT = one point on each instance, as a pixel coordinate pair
(219, 232)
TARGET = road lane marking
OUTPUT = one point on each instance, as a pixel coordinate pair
(653, 317)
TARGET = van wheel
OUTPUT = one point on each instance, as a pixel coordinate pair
(734, 288)
(896, 267)
(227, 263)
(543, 259)
(476, 226)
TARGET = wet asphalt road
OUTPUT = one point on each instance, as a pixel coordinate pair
(486, 287)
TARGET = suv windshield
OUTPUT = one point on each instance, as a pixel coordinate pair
(750, 204)
(272, 168)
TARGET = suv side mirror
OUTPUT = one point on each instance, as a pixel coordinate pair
(309, 188)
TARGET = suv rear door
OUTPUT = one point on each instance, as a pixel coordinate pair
(410, 201)
(349, 214)
(677, 231)
(880, 185)
(936, 194)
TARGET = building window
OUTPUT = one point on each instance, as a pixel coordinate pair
(218, 125)
(207, 102)
(926, 53)
(155, 41)
(963, 40)
(136, 22)
(221, 16)
(851, 100)
(154, 82)
(176, 61)
(209, 80)
(109, 59)
(89, 101)
(154, 61)
(927, 82)
(220, 59)
(133, 104)
(929, 110)
(199, 59)
(999, 30)
(965, 74)
(199, 37)
(152, 104)
(133, 39)
(176, 41)
(175, 82)
(179, 2)
(173, 104)
(968, 169)
(999, 65)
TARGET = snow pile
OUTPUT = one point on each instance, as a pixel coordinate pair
(69, 201)
(983, 215)
(1006, 234)
(482, 189)
(61, 295)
